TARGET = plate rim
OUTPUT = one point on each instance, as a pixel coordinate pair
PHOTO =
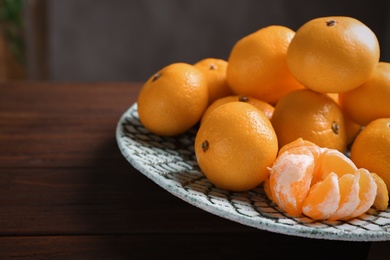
(260, 222)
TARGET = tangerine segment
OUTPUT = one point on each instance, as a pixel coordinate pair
(332, 161)
(322, 183)
(349, 196)
(299, 143)
(382, 195)
(290, 179)
(323, 199)
(367, 192)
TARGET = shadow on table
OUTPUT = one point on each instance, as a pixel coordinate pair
(130, 216)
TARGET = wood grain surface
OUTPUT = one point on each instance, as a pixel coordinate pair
(66, 192)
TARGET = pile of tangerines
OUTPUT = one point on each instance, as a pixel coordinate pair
(306, 114)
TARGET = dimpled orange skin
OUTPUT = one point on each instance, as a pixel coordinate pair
(371, 100)
(257, 65)
(371, 149)
(333, 54)
(313, 116)
(352, 128)
(234, 146)
(215, 73)
(173, 100)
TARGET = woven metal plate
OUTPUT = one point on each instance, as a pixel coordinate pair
(171, 163)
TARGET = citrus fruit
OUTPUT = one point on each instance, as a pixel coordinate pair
(334, 96)
(349, 196)
(351, 127)
(290, 179)
(371, 100)
(382, 198)
(322, 183)
(323, 199)
(257, 65)
(312, 116)
(331, 160)
(367, 192)
(333, 54)
(173, 100)
(371, 149)
(215, 72)
(263, 106)
(234, 146)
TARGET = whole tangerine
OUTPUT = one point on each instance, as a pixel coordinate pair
(214, 70)
(371, 100)
(371, 149)
(333, 54)
(173, 100)
(257, 65)
(234, 146)
(310, 115)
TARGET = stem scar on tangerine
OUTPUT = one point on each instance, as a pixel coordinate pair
(205, 145)
(212, 66)
(335, 128)
(333, 54)
(243, 99)
(156, 76)
(331, 22)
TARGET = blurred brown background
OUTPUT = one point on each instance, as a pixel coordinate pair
(128, 40)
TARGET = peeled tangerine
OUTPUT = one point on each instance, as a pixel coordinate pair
(322, 183)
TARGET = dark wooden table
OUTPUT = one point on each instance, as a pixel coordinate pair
(67, 192)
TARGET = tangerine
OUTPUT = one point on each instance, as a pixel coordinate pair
(371, 100)
(263, 106)
(352, 128)
(236, 157)
(215, 72)
(173, 100)
(333, 54)
(257, 65)
(371, 149)
(310, 115)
